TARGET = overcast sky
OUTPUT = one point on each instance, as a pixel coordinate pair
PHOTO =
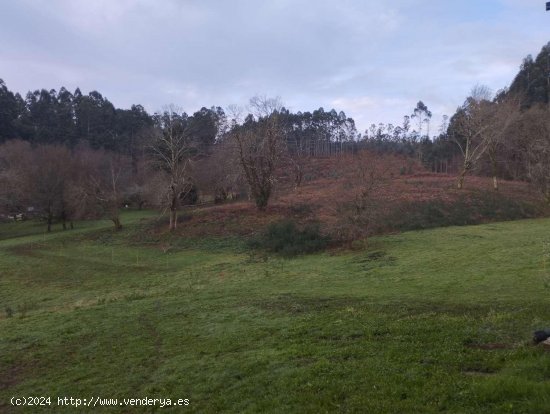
(372, 59)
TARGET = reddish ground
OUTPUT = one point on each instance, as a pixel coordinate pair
(331, 182)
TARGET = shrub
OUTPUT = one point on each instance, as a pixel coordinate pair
(286, 238)
(191, 196)
(301, 209)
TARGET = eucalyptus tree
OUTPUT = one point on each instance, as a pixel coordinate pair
(422, 115)
(8, 113)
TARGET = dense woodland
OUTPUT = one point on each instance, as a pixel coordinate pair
(66, 155)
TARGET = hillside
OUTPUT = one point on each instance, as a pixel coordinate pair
(405, 197)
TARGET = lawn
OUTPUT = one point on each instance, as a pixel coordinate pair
(429, 321)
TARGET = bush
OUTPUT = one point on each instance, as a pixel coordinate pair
(191, 196)
(286, 238)
(301, 209)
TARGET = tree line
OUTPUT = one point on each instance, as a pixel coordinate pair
(72, 156)
(504, 135)
(61, 117)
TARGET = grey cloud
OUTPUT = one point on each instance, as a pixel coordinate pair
(375, 59)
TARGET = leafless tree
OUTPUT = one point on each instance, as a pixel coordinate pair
(297, 155)
(220, 173)
(48, 181)
(535, 132)
(499, 118)
(366, 175)
(38, 178)
(15, 157)
(260, 145)
(173, 150)
(101, 184)
(136, 192)
(262, 106)
(470, 129)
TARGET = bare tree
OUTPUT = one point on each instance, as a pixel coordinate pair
(220, 173)
(136, 192)
(37, 178)
(15, 157)
(366, 174)
(101, 184)
(263, 106)
(470, 128)
(48, 180)
(173, 150)
(260, 145)
(297, 155)
(499, 117)
(535, 133)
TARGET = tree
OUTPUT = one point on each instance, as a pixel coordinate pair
(103, 180)
(95, 120)
(498, 119)
(130, 125)
(468, 129)
(8, 113)
(173, 150)
(36, 177)
(205, 126)
(297, 154)
(260, 144)
(66, 128)
(532, 81)
(48, 181)
(15, 157)
(220, 172)
(422, 115)
(533, 134)
(366, 174)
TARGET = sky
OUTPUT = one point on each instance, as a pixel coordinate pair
(374, 60)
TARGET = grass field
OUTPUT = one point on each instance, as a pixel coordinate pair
(431, 321)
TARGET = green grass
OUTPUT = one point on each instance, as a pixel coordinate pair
(430, 321)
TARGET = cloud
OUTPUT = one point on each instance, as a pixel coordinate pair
(372, 59)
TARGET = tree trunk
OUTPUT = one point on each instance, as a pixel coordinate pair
(174, 198)
(494, 170)
(173, 219)
(49, 224)
(460, 184)
(117, 223)
(298, 176)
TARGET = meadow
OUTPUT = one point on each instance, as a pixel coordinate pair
(429, 321)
